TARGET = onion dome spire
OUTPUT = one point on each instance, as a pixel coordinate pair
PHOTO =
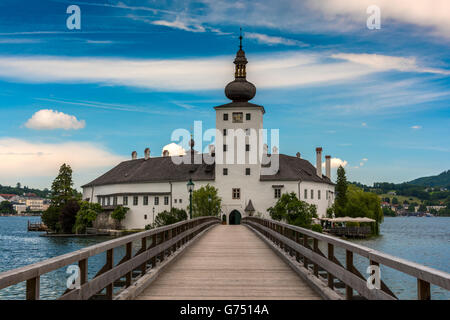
(240, 89)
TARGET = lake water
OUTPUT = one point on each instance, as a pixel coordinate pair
(422, 240)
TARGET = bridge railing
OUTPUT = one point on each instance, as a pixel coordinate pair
(155, 246)
(301, 247)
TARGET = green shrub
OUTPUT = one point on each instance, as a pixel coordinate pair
(316, 228)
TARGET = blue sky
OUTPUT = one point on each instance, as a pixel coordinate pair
(376, 100)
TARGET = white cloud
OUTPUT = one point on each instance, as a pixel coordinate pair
(336, 162)
(272, 70)
(271, 40)
(383, 63)
(286, 69)
(364, 124)
(416, 127)
(174, 149)
(425, 13)
(47, 119)
(23, 159)
(365, 159)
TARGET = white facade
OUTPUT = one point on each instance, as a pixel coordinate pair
(238, 177)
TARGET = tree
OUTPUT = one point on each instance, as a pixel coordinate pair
(293, 211)
(169, 217)
(341, 192)
(119, 214)
(364, 204)
(86, 216)
(7, 207)
(62, 190)
(388, 212)
(422, 208)
(206, 202)
(68, 215)
(18, 185)
(50, 217)
(394, 200)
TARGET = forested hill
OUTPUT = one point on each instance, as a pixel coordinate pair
(19, 190)
(440, 180)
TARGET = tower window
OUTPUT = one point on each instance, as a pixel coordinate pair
(224, 132)
(236, 193)
(224, 147)
(225, 117)
(247, 147)
(277, 193)
(225, 171)
(238, 117)
(247, 171)
(248, 116)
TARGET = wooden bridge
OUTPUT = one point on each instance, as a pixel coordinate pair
(201, 259)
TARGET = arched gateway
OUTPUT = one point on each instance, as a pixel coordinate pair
(235, 217)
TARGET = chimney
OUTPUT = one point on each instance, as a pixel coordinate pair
(165, 153)
(275, 150)
(319, 161)
(147, 153)
(328, 166)
(134, 155)
(298, 155)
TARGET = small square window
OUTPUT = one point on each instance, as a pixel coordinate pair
(247, 116)
(225, 171)
(318, 194)
(247, 171)
(135, 201)
(166, 201)
(181, 200)
(238, 117)
(277, 193)
(236, 193)
(125, 201)
(247, 147)
(312, 194)
(156, 201)
(145, 200)
(225, 116)
(175, 200)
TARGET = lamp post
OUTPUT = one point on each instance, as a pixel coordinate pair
(153, 215)
(190, 188)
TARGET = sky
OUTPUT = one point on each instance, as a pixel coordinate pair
(376, 100)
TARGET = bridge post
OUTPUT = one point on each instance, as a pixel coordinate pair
(423, 290)
(83, 265)
(33, 288)
(316, 249)
(331, 258)
(349, 265)
(109, 266)
(305, 244)
(128, 254)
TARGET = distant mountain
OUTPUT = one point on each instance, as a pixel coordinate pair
(441, 180)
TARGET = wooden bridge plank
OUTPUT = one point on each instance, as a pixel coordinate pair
(229, 262)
